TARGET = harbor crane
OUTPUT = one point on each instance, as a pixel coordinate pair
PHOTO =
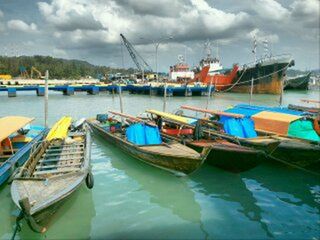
(141, 64)
(33, 69)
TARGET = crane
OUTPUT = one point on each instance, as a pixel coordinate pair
(136, 58)
(33, 69)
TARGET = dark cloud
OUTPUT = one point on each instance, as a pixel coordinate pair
(90, 29)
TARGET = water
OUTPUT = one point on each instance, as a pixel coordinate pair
(133, 200)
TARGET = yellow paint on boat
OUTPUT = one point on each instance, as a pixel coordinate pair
(59, 129)
(173, 117)
(11, 124)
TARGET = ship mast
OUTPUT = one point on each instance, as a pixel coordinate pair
(254, 50)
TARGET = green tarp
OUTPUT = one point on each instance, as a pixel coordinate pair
(303, 129)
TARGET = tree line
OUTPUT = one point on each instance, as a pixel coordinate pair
(58, 68)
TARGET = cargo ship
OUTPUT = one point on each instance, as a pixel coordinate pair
(265, 75)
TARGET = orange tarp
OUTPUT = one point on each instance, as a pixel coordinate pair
(273, 122)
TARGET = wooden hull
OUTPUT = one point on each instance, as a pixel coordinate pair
(18, 159)
(299, 154)
(39, 196)
(313, 110)
(175, 164)
(230, 157)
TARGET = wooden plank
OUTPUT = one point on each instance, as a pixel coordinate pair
(57, 166)
(56, 171)
(66, 145)
(60, 159)
(309, 101)
(64, 149)
(62, 154)
(213, 112)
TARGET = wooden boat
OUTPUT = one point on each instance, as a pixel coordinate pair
(313, 110)
(296, 152)
(16, 139)
(168, 155)
(224, 154)
(56, 168)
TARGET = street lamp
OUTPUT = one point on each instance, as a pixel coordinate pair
(156, 44)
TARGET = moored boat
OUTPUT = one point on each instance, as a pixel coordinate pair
(57, 166)
(300, 82)
(17, 136)
(143, 142)
(299, 142)
(224, 154)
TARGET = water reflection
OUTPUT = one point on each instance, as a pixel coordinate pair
(215, 184)
(165, 189)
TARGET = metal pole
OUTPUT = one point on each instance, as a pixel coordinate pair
(251, 91)
(209, 94)
(165, 97)
(46, 98)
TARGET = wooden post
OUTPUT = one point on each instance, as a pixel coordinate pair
(121, 103)
(165, 97)
(46, 98)
(251, 91)
(281, 94)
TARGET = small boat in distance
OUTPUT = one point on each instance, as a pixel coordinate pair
(17, 136)
(57, 166)
(143, 142)
(300, 82)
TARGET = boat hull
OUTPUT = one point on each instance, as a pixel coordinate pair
(175, 164)
(299, 154)
(18, 159)
(267, 75)
(298, 83)
(230, 157)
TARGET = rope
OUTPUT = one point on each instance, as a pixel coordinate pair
(18, 226)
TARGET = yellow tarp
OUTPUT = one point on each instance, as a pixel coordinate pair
(59, 129)
(173, 117)
(273, 122)
(11, 124)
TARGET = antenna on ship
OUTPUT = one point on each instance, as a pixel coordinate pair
(207, 47)
(267, 52)
(254, 50)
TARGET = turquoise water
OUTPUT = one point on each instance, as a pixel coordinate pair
(133, 200)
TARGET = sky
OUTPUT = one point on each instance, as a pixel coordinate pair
(89, 30)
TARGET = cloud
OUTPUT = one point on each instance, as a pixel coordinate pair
(271, 10)
(2, 26)
(19, 25)
(1, 14)
(262, 36)
(307, 12)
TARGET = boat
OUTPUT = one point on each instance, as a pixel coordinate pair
(264, 75)
(17, 136)
(56, 168)
(299, 143)
(224, 154)
(180, 72)
(300, 82)
(143, 142)
(312, 110)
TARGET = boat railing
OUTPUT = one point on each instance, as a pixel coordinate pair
(268, 58)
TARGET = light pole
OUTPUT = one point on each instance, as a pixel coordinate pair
(157, 46)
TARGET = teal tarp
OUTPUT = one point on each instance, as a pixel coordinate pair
(303, 129)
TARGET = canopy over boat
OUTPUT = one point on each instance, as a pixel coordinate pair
(174, 117)
(59, 129)
(273, 122)
(11, 124)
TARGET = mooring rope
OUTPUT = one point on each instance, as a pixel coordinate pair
(18, 226)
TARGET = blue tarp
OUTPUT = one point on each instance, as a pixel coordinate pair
(243, 128)
(141, 134)
(249, 110)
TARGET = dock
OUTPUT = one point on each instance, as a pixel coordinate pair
(94, 89)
